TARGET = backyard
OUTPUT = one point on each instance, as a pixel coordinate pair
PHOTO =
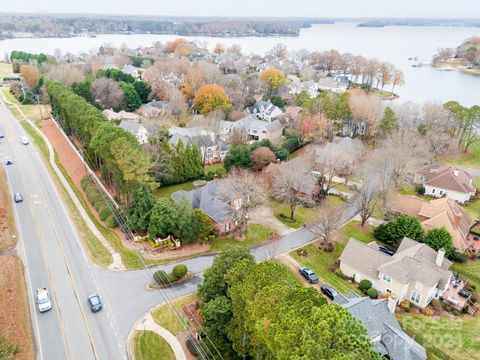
(167, 191)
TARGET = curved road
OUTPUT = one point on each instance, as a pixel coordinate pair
(54, 258)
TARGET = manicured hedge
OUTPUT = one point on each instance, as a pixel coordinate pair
(98, 201)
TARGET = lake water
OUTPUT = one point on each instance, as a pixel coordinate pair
(393, 44)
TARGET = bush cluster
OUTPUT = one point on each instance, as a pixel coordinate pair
(98, 201)
(162, 277)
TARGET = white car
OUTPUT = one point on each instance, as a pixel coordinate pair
(43, 300)
(24, 140)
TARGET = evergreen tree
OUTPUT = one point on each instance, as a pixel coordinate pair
(142, 89)
(142, 205)
(389, 121)
(131, 100)
(439, 238)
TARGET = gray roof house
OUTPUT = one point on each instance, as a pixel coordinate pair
(259, 129)
(264, 110)
(136, 129)
(154, 108)
(206, 198)
(383, 329)
(415, 272)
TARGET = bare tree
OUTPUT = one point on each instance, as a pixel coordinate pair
(65, 74)
(367, 110)
(294, 185)
(238, 136)
(243, 190)
(176, 102)
(261, 157)
(106, 93)
(326, 224)
(369, 198)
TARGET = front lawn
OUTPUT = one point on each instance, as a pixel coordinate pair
(468, 159)
(321, 263)
(444, 338)
(167, 191)
(254, 234)
(147, 345)
(165, 317)
(473, 209)
(355, 230)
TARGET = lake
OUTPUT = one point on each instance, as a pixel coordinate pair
(394, 44)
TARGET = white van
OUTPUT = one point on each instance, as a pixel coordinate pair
(24, 140)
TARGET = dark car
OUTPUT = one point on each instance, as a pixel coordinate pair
(2, 135)
(95, 303)
(8, 161)
(329, 291)
(464, 293)
(309, 275)
(17, 197)
(386, 250)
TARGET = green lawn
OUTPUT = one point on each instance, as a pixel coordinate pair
(342, 187)
(354, 230)
(167, 191)
(444, 338)
(165, 317)
(471, 270)
(254, 234)
(468, 159)
(9, 96)
(473, 209)
(147, 345)
(321, 262)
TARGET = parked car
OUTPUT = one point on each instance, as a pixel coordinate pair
(2, 135)
(24, 140)
(464, 293)
(43, 300)
(386, 250)
(309, 275)
(17, 197)
(329, 291)
(95, 303)
(8, 161)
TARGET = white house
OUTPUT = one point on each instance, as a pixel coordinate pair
(264, 110)
(310, 87)
(443, 180)
(121, 115)
(136, 129)
(336, 84)
(130, 70)
(415, 272)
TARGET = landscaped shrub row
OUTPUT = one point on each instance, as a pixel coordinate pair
(163, 278)
(98, 201)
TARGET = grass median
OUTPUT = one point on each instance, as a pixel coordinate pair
(147, 345)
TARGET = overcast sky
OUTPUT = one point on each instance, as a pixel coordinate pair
(257, 8)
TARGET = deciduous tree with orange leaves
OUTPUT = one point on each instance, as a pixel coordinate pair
(211, 97)
(30, 74)
(178, 47)
(273, 79)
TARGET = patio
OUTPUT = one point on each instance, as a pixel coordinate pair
(452, 294)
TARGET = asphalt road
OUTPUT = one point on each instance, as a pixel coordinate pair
(55, 259)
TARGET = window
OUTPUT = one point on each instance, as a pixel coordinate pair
(433, 191)
(415, 297)
(388, 290)
(387, 278)
(227, 226)
(209, 153)
(441, 192)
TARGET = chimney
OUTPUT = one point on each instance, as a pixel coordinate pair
(456, 172)
(392, 303)
(440, 256)
(458, 220)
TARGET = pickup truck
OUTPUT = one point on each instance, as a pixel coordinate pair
(43, 300)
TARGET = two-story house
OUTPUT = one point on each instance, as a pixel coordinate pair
(136, 129)
(444, 180)
(415, 272)
(264, 110)
(257, 130)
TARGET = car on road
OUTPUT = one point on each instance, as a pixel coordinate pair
(2, 135)
(24, 140)
(95, 303)
(329, 291)
(43, 300)
(17, 197)
(386, 250)
(8, 161)
(309, 275)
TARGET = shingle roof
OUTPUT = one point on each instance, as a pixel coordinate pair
(383, 328)
(251, 122)
(369, 260)
(130, 126)
(263, 106)
(443, 176)
(205, 198)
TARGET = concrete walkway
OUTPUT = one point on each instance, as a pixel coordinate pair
(147, 323)
(117, 261)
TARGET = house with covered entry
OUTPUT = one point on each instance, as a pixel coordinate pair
(415, 272)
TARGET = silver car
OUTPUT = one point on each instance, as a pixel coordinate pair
(24, 140)
(17, 197)
(43, 300)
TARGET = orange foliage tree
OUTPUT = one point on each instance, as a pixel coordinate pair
(178, 47)
(30, 74)
(211, 97)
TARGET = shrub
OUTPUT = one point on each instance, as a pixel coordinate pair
(459, 257)
(104, 213)
(161, 277)
(179, 271)
(111, 221)
(404, 304)
(456, 313)
(365, 285)
(420, 189)
(436, 304)
(217, 171)
(427, 311)
(372, 293)
(407, 309)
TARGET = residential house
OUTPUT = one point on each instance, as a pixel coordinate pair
(154, 108)
(336, 84)
(310, 87)
(207, 199)
(130, 70)
(258, 130)
(444, 180)
(436, 214)
(264, 110)
(136, 129)
(212, 148)
(121, 115)
(415, 272)
(383, 329)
